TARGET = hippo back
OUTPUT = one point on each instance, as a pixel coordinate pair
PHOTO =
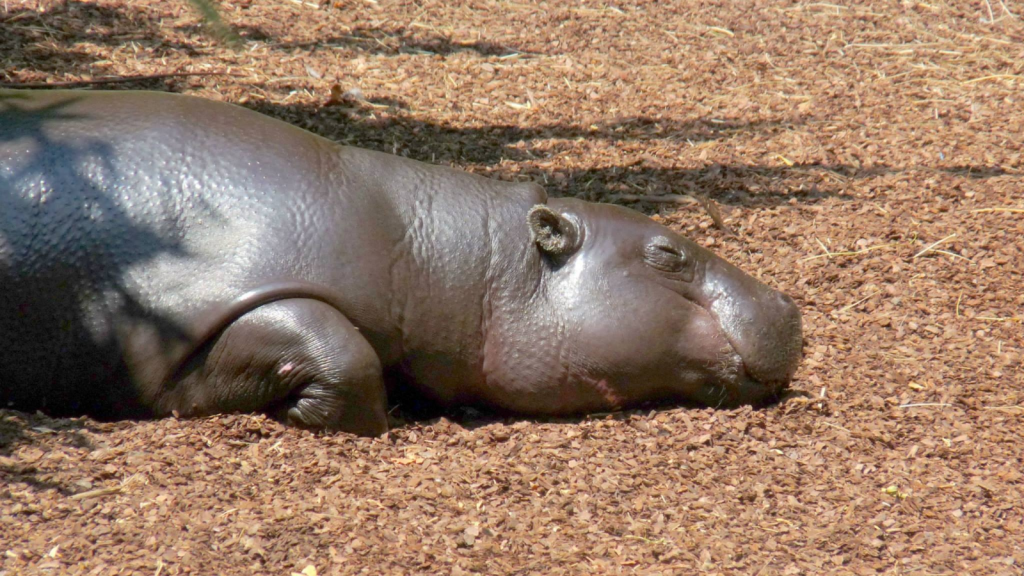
(127, 220)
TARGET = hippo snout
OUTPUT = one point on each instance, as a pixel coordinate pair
(763, 325)
(774, 354)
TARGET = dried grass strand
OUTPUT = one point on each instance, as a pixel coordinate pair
(861, 301)
(932, 246)
(129, 483)
(850, 253)
(1012, 210)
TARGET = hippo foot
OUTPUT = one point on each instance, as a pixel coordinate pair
(337, 408)
(299, 359)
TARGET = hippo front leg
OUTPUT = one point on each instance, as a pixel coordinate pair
(299, 359)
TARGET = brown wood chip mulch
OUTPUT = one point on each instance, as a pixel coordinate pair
(867, 156)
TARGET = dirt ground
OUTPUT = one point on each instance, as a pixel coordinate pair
(869, 159)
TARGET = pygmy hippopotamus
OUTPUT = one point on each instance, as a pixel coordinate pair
(168, 254)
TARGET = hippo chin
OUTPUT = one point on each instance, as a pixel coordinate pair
(166, 254)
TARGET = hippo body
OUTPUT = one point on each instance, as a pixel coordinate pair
(166, 254)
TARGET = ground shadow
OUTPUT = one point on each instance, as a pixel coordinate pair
(15, 426)
(53, 40)
(20, 430)
(491, 149)
(385, 39)
(381, 123)
(408, 409)
(30, 41)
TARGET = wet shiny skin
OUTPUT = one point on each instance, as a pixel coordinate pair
(161, 253)
(730, 338)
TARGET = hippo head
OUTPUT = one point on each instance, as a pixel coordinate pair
(647, 314)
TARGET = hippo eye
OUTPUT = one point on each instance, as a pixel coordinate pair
(661, 254)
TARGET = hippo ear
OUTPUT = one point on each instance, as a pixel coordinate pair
(554, 234)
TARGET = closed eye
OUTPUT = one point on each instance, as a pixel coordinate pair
(662, 255)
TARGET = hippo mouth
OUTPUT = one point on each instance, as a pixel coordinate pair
(760, 381)
(750, 390)
(734, 381)
(733, 385)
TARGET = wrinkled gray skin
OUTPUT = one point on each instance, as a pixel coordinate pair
(162, 254)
